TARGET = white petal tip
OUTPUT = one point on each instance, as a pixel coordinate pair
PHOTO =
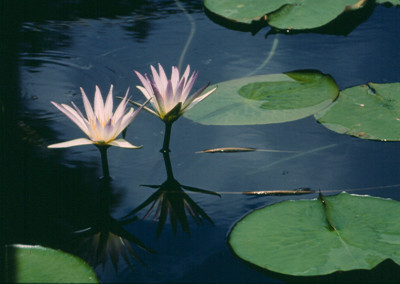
(122, 143)
(71, 143)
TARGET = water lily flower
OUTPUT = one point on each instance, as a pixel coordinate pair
(170, 97)
(101, 125)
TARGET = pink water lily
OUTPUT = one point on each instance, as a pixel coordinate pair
(170, 97)
(101, 125)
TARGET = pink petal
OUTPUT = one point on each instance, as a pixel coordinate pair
(98, 103)
(188, 86)
(195, 99)
(108, 108)
(157, 80)
(119, 112)
(186, 73)
(159, 100)
(123, 144)
(169, 97)
(174, 77)
(99, 131)
(109, 131)
(73, 115)
(145, 82)
(87, 105)
(163, 76)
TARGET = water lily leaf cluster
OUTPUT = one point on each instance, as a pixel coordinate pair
(320, 236)
(266, 99)
(283, 14)
(37, 264)
(369, 111)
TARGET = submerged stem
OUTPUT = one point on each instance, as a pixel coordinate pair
(167, 136)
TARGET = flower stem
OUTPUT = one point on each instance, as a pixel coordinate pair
(168, 165)
(104, 162)
(167, 136)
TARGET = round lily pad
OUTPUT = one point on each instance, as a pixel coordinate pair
(37, 264)
(370, 111)
(320, 236)
(266, 99)
(283, 14)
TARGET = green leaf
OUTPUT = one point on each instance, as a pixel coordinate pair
(266, 99)
(37, 264)
(370, 111)
(283, 14)
(296, 237)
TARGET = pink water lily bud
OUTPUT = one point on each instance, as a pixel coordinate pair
(170, 97)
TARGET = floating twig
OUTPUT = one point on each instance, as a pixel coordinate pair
(303, 190)
(240, 149)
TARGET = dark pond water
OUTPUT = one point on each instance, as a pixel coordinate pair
(51, 48)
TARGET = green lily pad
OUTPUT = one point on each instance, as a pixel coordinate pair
(283, 14)
(370, 111)
(307, 238)
(266, 99)
(37, 264)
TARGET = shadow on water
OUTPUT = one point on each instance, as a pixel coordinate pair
(385, 272)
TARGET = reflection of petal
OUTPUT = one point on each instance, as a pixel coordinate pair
(170, 201)
(71, 143)
(109, 240)
(199, 190)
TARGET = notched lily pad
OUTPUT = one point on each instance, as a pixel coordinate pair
(37, 264)
(320, 236)
(266, 99)
(283, 14)
(370, 111)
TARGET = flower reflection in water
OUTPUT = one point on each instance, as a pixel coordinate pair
(107, 239)
(171, 200)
